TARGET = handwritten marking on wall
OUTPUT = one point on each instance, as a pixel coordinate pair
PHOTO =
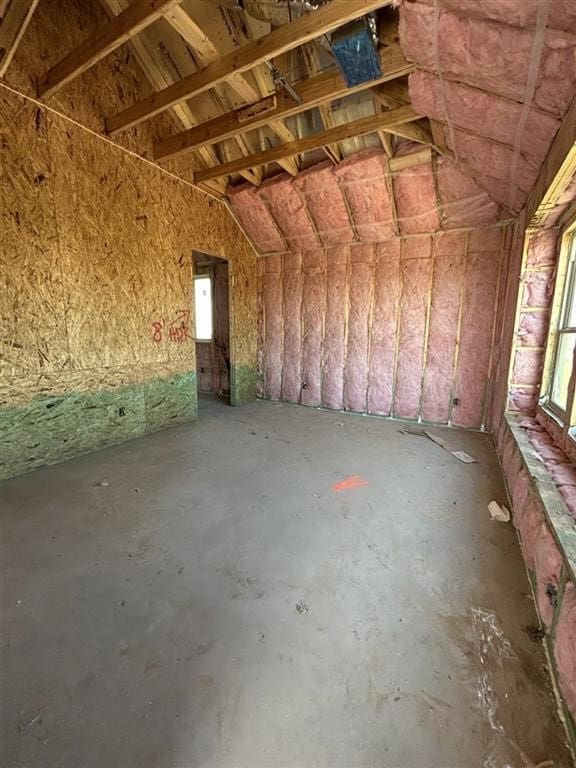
(178, 329)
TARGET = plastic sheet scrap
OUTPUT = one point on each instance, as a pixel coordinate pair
(495, 654)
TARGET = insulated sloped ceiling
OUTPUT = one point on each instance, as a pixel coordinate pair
(499, 76)
(361, 200)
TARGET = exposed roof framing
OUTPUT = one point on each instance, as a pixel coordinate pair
(15, 15)
(218, 75)
(366, 125)
(111, 36)
(207, 51)
(302, 30)
(313, 91)
(160, 76)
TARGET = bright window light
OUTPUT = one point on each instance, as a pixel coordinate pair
(203, 305)
(566, 338)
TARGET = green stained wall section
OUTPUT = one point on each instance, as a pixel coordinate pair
(243, 379)
(51, 429)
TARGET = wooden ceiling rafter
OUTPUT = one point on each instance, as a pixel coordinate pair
(159, 76)
(207, 51)
(15, 16)
(313, 63)
(106, 39)
(371, 124)
(287, 37)
(313, 91)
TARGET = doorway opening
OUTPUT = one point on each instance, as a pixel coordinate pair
(212, 324)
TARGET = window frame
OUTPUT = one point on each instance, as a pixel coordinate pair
(204, 276)
(564, 294)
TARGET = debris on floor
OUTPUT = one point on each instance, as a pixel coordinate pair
(499, 513)
(461, 455)
(301, 607)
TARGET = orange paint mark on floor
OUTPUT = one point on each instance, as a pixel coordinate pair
(350, 483)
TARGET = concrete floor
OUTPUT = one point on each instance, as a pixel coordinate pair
(203, 597)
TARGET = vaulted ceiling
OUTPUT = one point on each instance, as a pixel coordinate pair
(473, 89)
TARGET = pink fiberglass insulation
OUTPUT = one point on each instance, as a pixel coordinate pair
(386, 302)
(356, 372)
(542, 248)
(464, 202)
(272, 301)
(533, 329)
(565, 648)
(486, 114)
(313, 300)
(563, 474)
(538, 288)
(256, 219)
(528, 520)
(480, 285)
(292, 279)
(505, 193)
(319, 187)
(290, 213)
(546, 449)
(548, 563)
(522, 400)
(518, 13)
(416, 200)
(415, 271)
(483, 154)
(448, 278)
(335, 327)
(528, 364)
(488, 55)
(363, 181)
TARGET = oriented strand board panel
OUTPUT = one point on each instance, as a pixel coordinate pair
(97, 308)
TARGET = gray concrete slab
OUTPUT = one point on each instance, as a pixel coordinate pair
(204, 597)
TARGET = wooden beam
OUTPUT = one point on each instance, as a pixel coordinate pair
(111, 36)
(386, 141)
(307, 27)
(393, 94)
(316, 141)
(438, 138)
(159, 75)
(206, 51)
(556, 170)
(312, 61)
(401, 162)
(14, 20)
(418, 132)
(313, 91)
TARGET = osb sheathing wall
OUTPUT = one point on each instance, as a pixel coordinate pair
(96, 298)
(403, 327)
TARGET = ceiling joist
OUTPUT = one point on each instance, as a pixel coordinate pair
(111, 36)
(207, 51)
(14, 19)
(361, 127)
(307, 27)
(312, 92)
(160, 76)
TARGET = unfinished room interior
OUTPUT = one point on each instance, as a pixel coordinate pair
(288, 383)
